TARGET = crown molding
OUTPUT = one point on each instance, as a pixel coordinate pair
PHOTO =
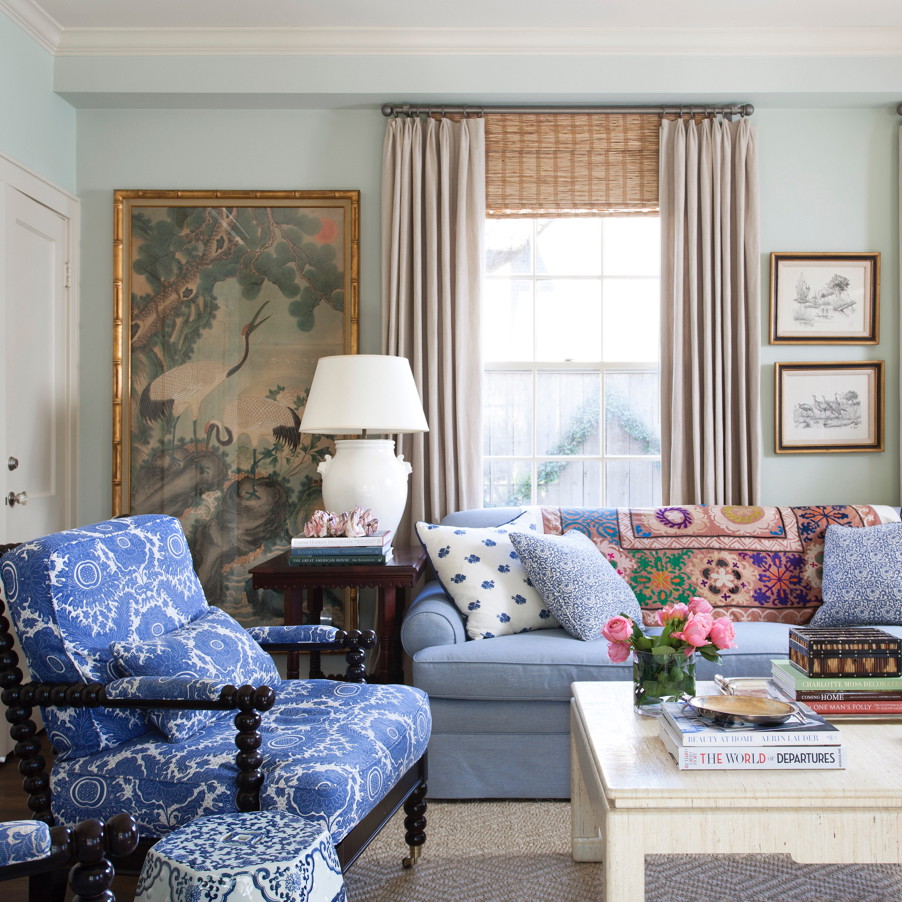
(338, 41)
(34, 21)
(379, 41)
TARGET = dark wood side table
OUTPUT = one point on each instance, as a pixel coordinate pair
(401, 573)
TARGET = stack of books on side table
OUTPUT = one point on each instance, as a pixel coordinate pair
(842, 671)
(344, 551)
(806, 741)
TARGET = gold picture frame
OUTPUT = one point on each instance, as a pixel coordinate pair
(829, 407)
(825, 298)
(223, 303)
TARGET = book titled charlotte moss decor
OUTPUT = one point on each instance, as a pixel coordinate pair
(786, 675)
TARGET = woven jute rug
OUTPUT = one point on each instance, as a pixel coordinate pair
(520, 850)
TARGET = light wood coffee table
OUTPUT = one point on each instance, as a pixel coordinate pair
(629, 799)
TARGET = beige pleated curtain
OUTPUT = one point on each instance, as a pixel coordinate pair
(433, 221)
(441, 178)
(710, 315)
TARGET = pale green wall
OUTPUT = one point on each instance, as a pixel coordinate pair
(204, 149)
(829, 182)
(37, 128)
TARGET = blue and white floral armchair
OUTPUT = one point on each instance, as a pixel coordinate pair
(136, 677)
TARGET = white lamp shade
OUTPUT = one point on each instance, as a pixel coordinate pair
(355, 393)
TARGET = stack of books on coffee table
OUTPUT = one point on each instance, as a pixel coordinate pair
(839, 696)
(842, 671)
(806, 740)
(343, 551)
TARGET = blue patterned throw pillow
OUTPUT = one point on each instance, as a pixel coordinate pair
(214, 647)
(862, 583)
(481, 572)
(577, 583)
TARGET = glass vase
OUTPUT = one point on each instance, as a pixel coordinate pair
(661, 678)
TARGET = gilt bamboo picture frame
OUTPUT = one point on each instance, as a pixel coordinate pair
(223, 303)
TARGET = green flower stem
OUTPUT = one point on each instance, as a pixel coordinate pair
(662, 675)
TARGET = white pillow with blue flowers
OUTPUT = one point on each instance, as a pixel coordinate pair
(482, 573)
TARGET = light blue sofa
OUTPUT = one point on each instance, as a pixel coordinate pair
(500, 706)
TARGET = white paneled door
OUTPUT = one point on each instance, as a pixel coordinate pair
(37, 322)
(35, 360)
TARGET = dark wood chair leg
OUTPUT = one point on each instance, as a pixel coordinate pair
(415, 824)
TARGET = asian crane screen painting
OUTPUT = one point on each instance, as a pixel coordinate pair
(223, 303)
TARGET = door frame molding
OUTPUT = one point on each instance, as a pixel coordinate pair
(14, 175)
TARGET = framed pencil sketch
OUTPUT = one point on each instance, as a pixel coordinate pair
(822, 407)
(223, 303)
(824, 298)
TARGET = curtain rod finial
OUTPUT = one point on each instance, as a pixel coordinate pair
(899, 109)
(748, 109)
(387, 109)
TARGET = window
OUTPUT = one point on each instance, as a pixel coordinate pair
(571, 324)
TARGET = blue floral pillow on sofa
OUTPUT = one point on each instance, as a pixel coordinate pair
(214, 647)
(576, 582)
(482, 573)
(862, 582)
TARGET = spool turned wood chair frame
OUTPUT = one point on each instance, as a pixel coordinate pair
(89, 844)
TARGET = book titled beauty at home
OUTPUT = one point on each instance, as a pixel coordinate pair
(788, 677)
(753, 757)
(378, 540)
(804, 727)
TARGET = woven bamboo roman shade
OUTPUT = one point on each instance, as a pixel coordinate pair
(571, 164)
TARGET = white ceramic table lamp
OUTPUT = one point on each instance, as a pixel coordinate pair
(359, 394)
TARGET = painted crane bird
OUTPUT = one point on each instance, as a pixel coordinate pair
(185, 387)
(259, 419)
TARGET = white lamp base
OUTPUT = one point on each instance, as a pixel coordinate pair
(367, 473)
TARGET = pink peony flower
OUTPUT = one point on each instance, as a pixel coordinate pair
(618, 652)
(722, 633)
(673, 611)
(698, 605)
(618, 629)
(695, 631)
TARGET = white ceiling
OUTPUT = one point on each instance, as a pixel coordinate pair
(680, 14)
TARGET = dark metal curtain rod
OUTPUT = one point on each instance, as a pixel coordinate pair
(409, 109)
